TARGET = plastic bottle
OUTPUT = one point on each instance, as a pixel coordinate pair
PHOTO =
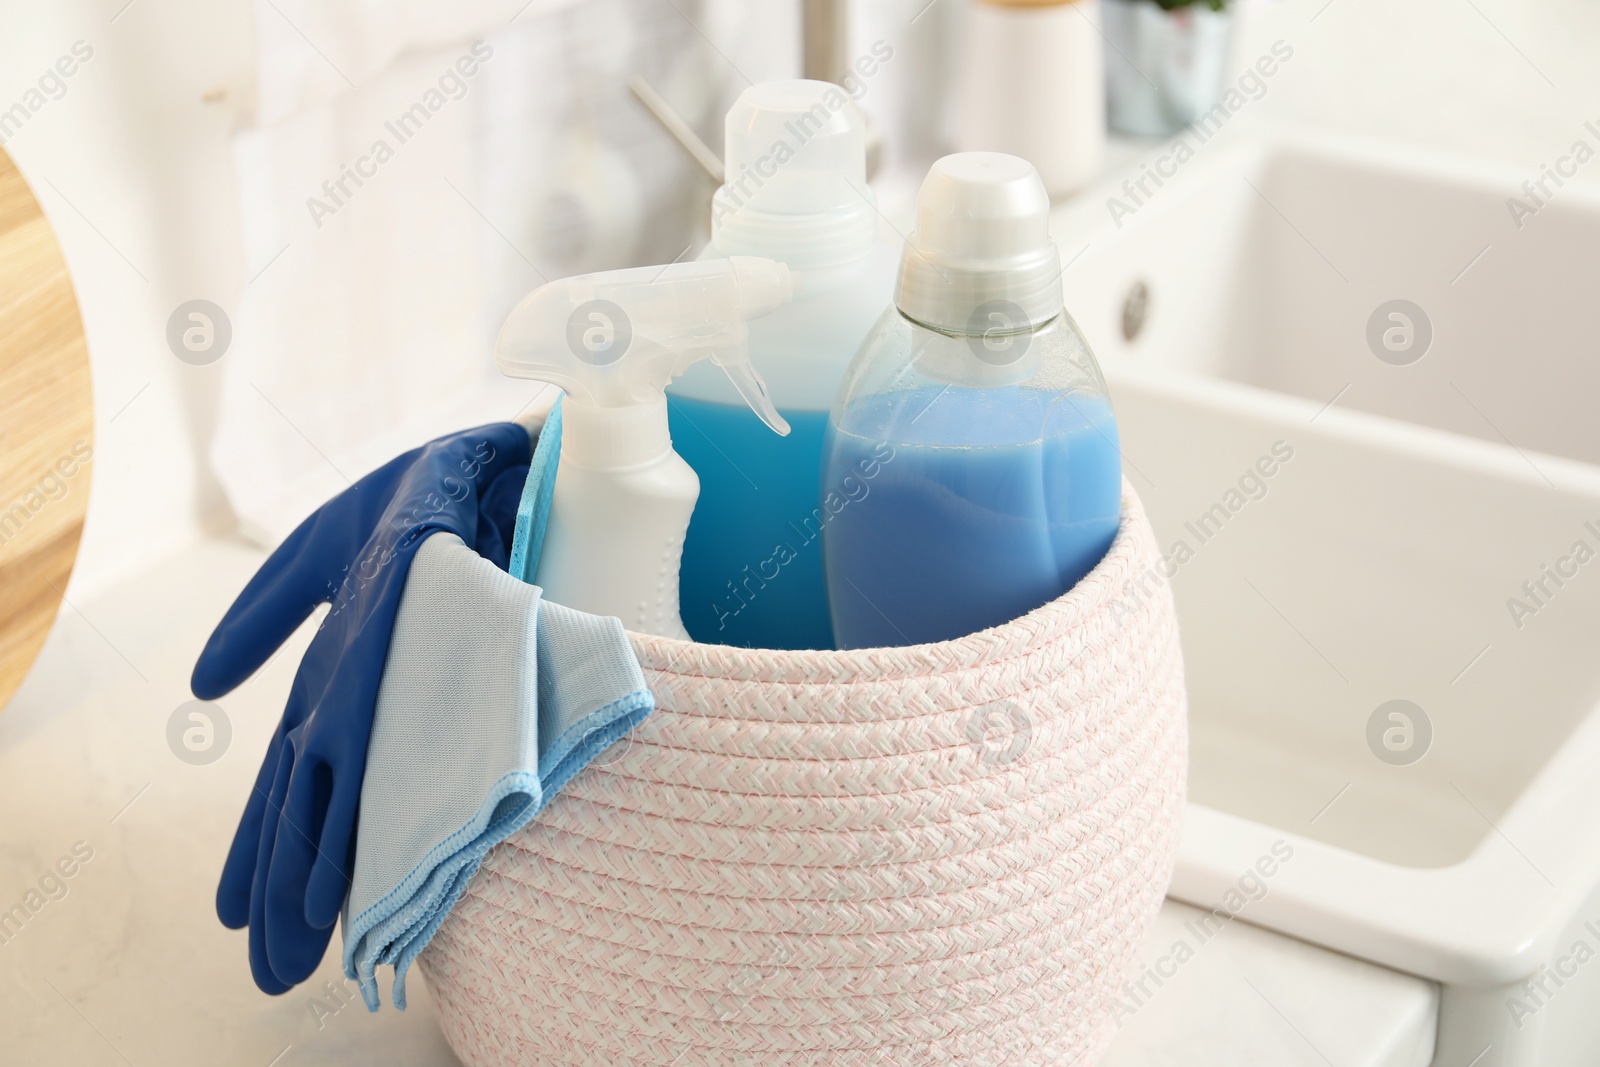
(796, 192)
(973, 472)
(623, 497)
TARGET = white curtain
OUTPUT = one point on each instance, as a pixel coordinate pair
(413, 170)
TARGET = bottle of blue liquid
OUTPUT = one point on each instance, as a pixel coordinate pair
(972, 470)
(795, 192)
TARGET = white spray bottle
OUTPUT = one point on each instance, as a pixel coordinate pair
(612, 341)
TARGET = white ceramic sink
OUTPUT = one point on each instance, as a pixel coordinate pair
(1376, 561)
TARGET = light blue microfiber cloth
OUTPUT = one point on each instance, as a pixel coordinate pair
(533, 511)
(491, 700)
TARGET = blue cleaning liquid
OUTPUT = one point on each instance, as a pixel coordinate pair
(964, 508)
(752, 561)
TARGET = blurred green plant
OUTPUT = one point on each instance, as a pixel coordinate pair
(1172, 5)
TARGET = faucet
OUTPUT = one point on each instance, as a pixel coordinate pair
(825, 39)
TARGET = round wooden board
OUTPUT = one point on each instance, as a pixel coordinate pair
(46, 428)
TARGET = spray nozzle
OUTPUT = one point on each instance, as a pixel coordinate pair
(614, 340)
(752, 388)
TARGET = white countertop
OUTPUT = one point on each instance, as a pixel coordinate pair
(1250, 996)
(130, 966)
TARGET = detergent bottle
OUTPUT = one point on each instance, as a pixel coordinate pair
(612, 341)
(973, 471)
(795, 191)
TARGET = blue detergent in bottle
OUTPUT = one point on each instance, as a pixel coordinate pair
(796, 192)
(972, 471)
(752, 566)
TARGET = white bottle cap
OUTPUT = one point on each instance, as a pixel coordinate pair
(796, 177)
(982, 251)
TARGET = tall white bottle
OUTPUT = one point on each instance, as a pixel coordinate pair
(623, 498)
(795, 191)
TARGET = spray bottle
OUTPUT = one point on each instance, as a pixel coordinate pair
(612, 341)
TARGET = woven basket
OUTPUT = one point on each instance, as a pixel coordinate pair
(942, 854)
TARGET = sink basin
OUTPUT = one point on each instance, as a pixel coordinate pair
(1359, 404)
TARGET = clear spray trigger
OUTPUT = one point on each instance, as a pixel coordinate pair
(614, 340)
(753, 389)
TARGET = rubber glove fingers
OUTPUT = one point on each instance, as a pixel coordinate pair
(294, 945)
(261, 970)
(334, 869)
(238, 870)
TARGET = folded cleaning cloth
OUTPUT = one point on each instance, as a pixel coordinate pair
(491, 699)
(533, 509)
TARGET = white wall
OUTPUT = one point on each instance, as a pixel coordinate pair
(133, 170)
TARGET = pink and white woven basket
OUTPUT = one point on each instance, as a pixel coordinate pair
(941, 854)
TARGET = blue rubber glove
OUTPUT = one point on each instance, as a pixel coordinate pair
(290, 866)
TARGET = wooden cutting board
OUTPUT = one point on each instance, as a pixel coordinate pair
(46, 428)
